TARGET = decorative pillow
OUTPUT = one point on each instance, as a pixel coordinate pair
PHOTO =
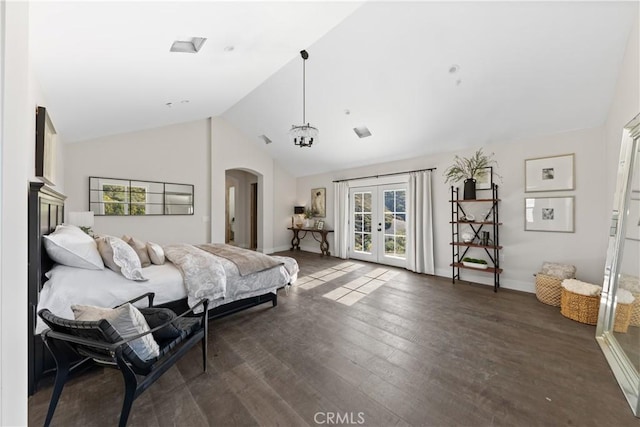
(140, 248)
(128, 321)
(582, 288)
(120, 257)
(155, 317)
(68, 245)
(557, 270)
(156, 253)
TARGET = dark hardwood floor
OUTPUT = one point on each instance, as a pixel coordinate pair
(416, 351)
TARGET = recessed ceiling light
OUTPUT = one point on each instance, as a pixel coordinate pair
(229, 49)
(188, 46)
(265, 139)
(347, 112)
(454, 69)
(362, 131)
(169, 104)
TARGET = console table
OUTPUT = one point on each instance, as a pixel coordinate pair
(315, 233)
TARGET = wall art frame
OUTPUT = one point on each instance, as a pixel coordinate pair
(45, 146)
(554, 173)
(484, 178)
(556, 214)
(319, 202)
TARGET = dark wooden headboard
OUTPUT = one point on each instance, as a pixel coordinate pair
(46, 211)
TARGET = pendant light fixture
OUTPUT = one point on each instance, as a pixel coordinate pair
(304, 135)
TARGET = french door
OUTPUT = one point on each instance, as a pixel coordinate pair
(378, 224)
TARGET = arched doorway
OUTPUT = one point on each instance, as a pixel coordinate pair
(242, 211)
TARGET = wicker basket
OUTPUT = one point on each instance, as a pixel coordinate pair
(581, 308)
(548, 289)
(623, 317)
(635, 311)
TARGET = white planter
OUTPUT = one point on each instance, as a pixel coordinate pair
(475, 265)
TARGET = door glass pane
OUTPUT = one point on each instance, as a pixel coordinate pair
(401, 224)
(395, 223)
(362, 221)
(358, 242)
(400, 246)
(389, 200)
(366, 240)
(358, 223)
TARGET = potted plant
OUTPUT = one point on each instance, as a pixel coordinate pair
(308, 214)
(475, 263)
(466, 168)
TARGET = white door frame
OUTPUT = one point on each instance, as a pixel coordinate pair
(375, 214)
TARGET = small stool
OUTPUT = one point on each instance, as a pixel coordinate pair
(625, 302)
(549, 280)
(623, 318)
(579, 307)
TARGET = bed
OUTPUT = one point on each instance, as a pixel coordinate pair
(56, 287)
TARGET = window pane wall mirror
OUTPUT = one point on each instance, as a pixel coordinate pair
(618, 329)
(117, 197)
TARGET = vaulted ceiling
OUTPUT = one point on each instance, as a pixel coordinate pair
(423, 77)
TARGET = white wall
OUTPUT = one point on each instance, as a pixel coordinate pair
(625, 106)
(231, 149)
(596, 156)
(17, 135)
(285, 193)
(523, 252)
(176, 153)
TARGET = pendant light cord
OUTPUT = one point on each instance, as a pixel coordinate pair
(304, 86)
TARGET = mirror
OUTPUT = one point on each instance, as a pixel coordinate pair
(618, 329)
(118, 197)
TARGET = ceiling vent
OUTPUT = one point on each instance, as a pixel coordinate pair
(266, 139)
(188, 46)
(362, 131)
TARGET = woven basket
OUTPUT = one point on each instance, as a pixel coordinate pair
(635, 311)
(581, 308)
(623, 316)
(548, 289)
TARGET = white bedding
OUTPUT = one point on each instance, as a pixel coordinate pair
(105, 288)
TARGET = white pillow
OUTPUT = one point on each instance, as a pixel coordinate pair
(141, 249)
(120, 257)
(128, 321)
(68, 245)
(156, 253)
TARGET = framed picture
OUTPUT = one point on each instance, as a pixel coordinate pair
(45, 146)
(484, 178)
(319, 202)
(549, 214)
(319, 225)
(549, 173)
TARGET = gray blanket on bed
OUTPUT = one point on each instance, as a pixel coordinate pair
(248, 262)
(204, 276)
